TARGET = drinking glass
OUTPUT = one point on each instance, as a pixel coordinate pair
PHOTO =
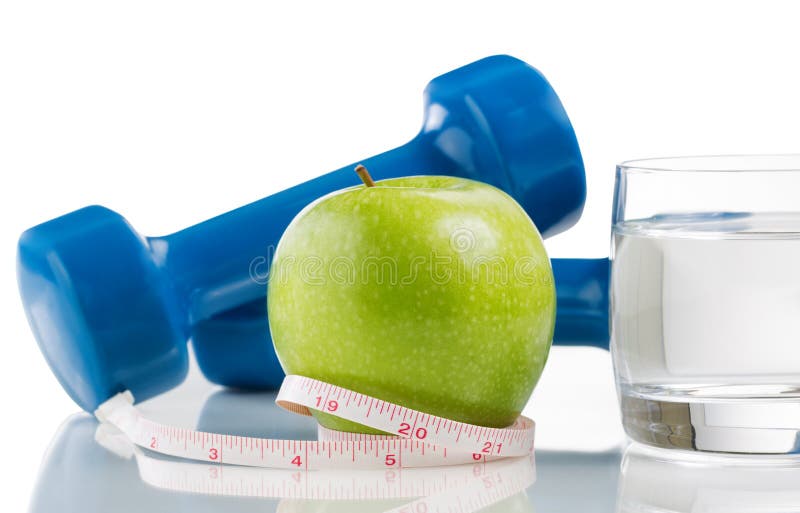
(705, 302)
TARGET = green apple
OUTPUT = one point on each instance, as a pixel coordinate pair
(432, 292)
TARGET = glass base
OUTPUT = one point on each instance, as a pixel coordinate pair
(715, 419)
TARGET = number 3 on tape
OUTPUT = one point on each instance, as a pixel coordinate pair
(417, 439)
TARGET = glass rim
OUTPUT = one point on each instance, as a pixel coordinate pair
(723, 163)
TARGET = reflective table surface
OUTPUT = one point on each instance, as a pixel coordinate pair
(89, 469)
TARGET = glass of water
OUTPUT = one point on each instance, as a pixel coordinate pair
(705, 302)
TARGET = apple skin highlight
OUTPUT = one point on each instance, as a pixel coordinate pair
(428, 291)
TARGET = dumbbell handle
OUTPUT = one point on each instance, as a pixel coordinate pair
(582, 301)
(220, 266)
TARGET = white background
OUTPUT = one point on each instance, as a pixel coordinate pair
(170, 112)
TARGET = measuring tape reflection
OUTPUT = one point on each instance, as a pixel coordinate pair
(501, 458)
(457, 488)
(420, 439)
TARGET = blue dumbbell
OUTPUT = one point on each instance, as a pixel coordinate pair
(112, 310)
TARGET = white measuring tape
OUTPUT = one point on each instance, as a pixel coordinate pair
(420, 439)
(454, 489)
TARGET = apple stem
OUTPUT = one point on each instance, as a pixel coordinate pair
(364, 175)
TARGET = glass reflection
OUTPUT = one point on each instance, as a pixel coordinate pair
(666, 481)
